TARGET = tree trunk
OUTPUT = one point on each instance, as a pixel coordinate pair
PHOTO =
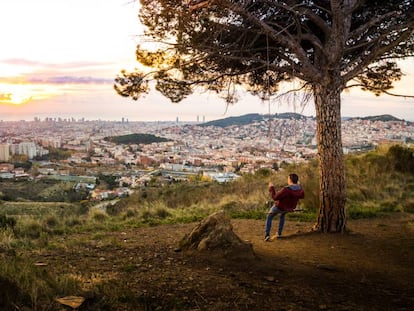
(332, 186)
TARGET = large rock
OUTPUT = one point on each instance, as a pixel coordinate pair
(215, 234)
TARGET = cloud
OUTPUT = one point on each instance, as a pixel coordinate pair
(69, 80)
(56, 66)
(5, 97)
(20, 62)
(27, 71)
(56, 80)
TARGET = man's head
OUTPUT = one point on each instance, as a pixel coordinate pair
(293, 178)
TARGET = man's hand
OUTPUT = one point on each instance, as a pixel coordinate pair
(271, 184)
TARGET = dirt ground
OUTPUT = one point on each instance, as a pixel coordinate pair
(369, 268)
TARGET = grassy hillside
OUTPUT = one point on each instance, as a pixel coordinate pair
(379, 183)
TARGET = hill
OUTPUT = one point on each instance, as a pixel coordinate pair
(255, 117)
(251, 118)
(140, 269)
(124, 255)
(384, 118)
(136, 139)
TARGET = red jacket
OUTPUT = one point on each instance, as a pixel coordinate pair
(287, 198)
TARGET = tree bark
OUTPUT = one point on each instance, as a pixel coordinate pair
(332, 195)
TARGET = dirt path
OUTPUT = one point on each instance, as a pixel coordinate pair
(371, 268)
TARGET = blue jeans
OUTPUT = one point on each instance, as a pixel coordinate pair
(272, 213)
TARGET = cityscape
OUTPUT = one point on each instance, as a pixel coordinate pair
(191, 148)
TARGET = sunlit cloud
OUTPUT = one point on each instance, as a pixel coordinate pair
(24, 80)
(27, 67)
(18, 94)
(70, 80)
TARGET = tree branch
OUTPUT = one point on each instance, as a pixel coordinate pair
(375, 52)
(378, 89)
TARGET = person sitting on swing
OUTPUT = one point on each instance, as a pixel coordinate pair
(285, 200)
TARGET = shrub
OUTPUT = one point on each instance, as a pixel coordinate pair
(161, 212)
(51, 221)
(73, 221)
(7, 222)
(31, 229)
(130, 213)
(402, 158)
(408, 206)
(98, 215)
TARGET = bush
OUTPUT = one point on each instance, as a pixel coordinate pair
(51, 221)
(31, 229)
(402, 158)
(7, 222)
(408, 206)
(99, 216)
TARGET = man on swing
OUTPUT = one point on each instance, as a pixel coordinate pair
(285, 200)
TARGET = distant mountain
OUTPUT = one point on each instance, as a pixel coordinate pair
(383, 117)
(251, 118)
(255, 117)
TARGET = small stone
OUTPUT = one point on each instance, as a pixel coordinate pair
(326, 267)
(71, 301)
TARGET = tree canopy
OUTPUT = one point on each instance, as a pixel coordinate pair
(259, 43)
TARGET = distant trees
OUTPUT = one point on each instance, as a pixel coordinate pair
(57, 154)
(136, 139)
(326, 45)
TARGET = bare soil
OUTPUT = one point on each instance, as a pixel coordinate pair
(369, 268)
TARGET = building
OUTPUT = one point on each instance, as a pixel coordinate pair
(4, 152)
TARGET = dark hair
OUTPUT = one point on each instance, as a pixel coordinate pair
(294, 178)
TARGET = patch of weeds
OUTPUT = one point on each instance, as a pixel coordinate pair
(303, 215)
(99, 216)
(361, 213)
(161, 212)
(408, 206)
(7, 222)
(130, 213)
(7, 239)
(249, 214)
(129, 267)
(98, 236)
(31, 229)
(51, 221)
(54, 245)
(372, 210)
(230, 207)
(73, 221)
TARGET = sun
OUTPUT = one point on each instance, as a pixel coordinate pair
(15, 94)
(19, 98)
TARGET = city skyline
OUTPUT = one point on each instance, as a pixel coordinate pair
(59, 59)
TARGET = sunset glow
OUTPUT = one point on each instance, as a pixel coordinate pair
(19, 94)
(60, 58)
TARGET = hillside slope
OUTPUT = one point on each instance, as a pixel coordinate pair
(369, 268)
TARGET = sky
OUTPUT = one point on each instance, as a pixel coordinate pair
(59, 58)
